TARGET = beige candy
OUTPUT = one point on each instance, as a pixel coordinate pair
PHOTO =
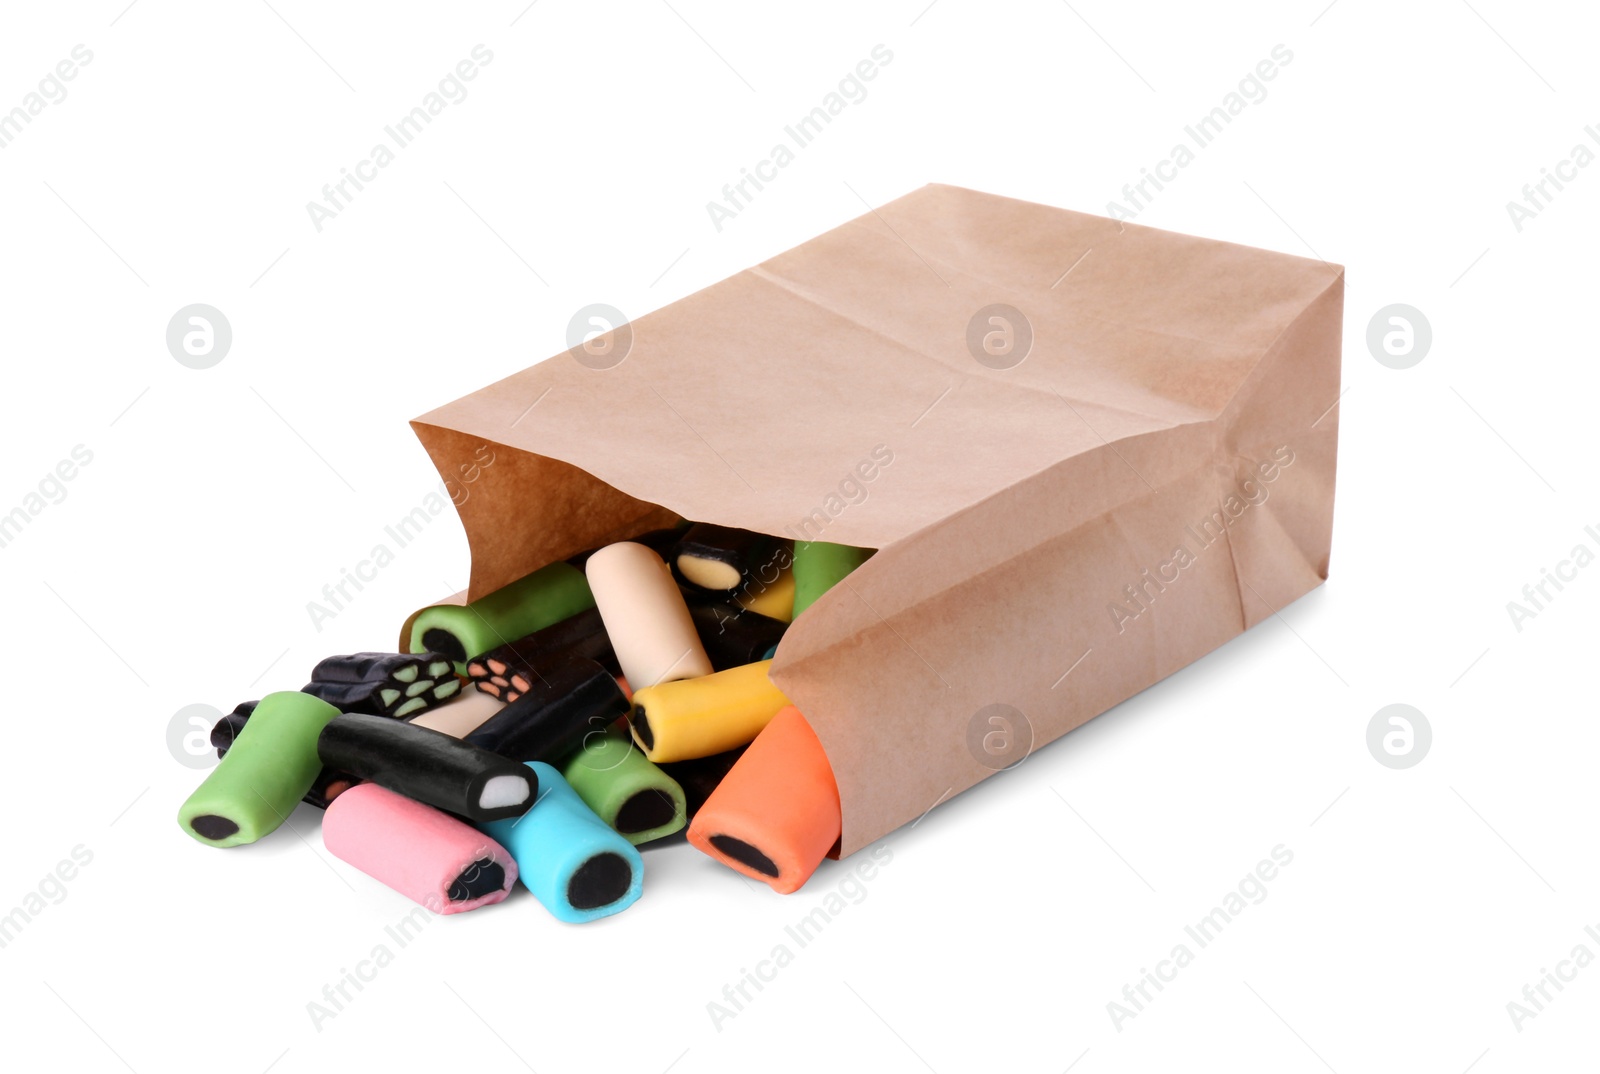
(460, 718)
(645, 616)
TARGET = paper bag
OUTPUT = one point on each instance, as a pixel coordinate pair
(1087, 452)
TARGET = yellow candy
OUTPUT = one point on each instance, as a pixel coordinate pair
(774, 600)
(689, 718)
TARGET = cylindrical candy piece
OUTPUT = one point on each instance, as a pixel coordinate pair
(773, 599)
(461, 632)
(328, 785)
(572, 861)
(432, 768)
(384, 684)
(645, 616)
(431, 858)
(568, 697)
(698, 717)
(700, 776)
(459, 718)
(819, 566)
(270, 767)
(660, 541)
(775, 815)
(624, 789)
(732, 635)
(719, 558)
(505, 670)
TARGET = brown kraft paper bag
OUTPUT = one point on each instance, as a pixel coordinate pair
(1054, 534)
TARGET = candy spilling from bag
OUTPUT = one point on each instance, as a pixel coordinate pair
(1069, 518)
(547, 730)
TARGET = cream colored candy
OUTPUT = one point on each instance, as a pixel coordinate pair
(458, 719)
(645, 616)
(709, 573)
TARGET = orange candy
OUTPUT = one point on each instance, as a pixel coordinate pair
(775, 815)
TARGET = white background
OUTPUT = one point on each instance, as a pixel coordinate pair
(218, 503)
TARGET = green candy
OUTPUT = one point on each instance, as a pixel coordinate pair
(461, 632)
(819, 566)
(265, 773)
(624, 788)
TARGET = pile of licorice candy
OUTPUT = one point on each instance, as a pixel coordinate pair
(548, 731)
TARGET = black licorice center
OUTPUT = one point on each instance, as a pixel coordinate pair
(211, 826)
(440, 640)
(650, 808)
(482, 877)
(641, 724)
(745, 854)
(600, 881)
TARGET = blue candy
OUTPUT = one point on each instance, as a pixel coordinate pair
(575, 864)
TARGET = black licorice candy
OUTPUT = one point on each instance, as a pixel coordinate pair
(328, 785)
(403, 668)
(700, 777)
(719, 558)
(428, 766)
(384, 684)
(243, 708)
(373, 698)
(568, 698)
(507, 671)
(733, 636)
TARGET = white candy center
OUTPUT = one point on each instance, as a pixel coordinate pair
(503, 791)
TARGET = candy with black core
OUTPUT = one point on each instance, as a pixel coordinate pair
(431, 767)
(776, 814)
(676, 721)
(434, 859)
(623, 788)
(477, 880)
(719, 558)
(574, 863)
(567, 697)
(745, 854)
(505, 671)
(461, 632)
(269, 767)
